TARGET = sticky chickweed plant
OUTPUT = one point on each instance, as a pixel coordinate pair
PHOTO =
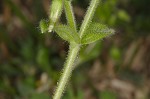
(89, 32)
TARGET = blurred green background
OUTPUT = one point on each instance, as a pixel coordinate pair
(114, 68)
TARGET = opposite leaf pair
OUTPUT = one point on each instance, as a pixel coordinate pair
(95, 32)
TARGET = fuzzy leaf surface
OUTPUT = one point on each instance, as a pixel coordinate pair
(96, 32)
(67, 33)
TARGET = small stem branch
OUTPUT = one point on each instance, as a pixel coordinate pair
(88, 17)
(73, 52)
(70, 15)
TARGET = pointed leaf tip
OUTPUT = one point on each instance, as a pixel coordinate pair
(96, 32)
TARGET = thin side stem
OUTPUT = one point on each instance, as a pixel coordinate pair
(88, 17)
(73, 52)
(70, 15)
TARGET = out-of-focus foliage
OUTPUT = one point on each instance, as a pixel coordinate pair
(116, 68)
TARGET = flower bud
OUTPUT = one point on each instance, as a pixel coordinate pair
(55, 12)
(44, 26)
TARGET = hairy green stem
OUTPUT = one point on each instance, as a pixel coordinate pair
(72, 55)
(74, 48)
(73, 52)
(88, 17)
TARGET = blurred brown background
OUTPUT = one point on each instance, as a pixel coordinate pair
(114, 68)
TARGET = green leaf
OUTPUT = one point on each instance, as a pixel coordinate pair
(67, 33)
(96, 32)
(123, 15)
(44, 26)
